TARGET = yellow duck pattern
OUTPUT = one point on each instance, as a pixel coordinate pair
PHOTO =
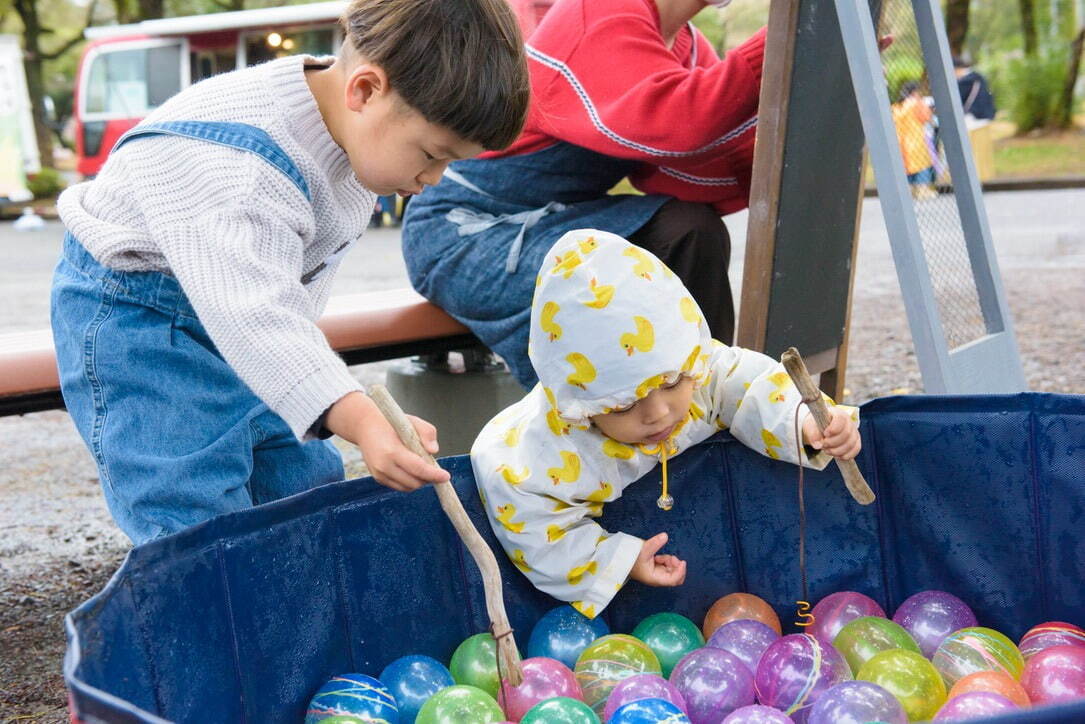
(547, 472)
(643, 340)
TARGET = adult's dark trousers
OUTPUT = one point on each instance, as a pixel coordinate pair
(692, 240)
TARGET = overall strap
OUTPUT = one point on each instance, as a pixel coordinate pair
(241, 136)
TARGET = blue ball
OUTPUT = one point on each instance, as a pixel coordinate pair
(562, 633)
(412, 680)
(648, 711)
(352, 698)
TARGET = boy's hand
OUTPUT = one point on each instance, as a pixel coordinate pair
(653, 570)
(356, 418)
(840, 439)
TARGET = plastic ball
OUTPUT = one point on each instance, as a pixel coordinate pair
(671, 636)
(460, 704)
(757, 714)
(930, 616)
(860, 639)
(796, 670)
(909, 677)
(543, 679)
(974, 705)
(836, 610)
(857, 702)
(734, 606)
(745, 638)
(562, 633)
(1052, 633)
(607, 661)
(714, 683)
(976, 649)
(474, 663)
(642, 686)
(649, 711)
(993, 681)
(560, 710)
(412, 680)
(1055, 675)
(357, 696)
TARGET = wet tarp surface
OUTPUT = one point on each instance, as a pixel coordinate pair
(241, 619)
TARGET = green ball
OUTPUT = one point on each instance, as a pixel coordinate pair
(460, 705)
(560, 710)
(671, 636)
(976, 648)
(474, 663)
(911, 678)
(607, 661)
(864, 637)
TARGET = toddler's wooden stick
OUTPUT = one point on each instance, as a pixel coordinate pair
(796, 368)
(484, 557)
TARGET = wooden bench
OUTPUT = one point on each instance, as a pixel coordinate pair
(366, 327)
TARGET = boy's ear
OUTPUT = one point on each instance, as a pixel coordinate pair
(364, 83)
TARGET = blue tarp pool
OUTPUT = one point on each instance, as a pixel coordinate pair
(242, 618)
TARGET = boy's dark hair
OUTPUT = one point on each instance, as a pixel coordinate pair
(460, 63)
(908, 89)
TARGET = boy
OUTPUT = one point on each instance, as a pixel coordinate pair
(628, 375)
(196, 265)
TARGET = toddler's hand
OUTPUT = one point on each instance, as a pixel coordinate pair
(840, 439)
(654, 570)
(356, 418)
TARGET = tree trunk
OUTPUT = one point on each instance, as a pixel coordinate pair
(1028, 26)
(1064, 115)
(957, 25)
(151, 9)
(35, 78)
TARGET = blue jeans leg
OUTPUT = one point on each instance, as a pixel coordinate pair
(177, 437)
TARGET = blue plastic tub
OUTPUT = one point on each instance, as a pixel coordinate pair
(241, 619)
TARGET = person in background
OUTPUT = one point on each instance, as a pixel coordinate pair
(912, 116)
(976, 98)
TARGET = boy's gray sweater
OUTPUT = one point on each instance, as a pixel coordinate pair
(243, 241)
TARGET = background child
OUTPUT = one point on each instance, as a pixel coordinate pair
(911, 116)
(196, 265)
(628, 375)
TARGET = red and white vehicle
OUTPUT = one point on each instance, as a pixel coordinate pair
(129, 70)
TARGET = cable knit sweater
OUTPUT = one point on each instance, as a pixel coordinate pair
(253, 255)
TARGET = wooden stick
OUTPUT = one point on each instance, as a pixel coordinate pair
(507, 653)
(796, 368)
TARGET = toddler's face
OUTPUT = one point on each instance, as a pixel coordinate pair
(394, 149)
(650, 419)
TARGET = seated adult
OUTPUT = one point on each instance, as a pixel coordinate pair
(620, 88)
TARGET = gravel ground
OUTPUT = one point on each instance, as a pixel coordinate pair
(58, 545)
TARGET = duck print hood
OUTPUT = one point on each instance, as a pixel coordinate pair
(610, 323)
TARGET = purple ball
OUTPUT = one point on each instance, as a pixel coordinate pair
(757, 714)
(837, 610)
(857, 702)
(642, 686)
(796, 670)
(973, 705)
(930, 616)
(745, 638)
(714, 683)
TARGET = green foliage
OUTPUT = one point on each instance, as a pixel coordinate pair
(46, 183)
(1029, 87)
(900, 70)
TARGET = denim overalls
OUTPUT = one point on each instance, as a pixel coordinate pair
(177, 436)
(474, 242)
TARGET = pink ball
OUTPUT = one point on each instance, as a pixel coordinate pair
(757, 714)
(642, 686)
(1052, 633)
(543, 679)
(837, 610)
(974, 705)
(1055, 675)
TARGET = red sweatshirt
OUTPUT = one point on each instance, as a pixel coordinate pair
(602, 78)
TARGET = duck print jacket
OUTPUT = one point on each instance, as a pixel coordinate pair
(609, 324)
